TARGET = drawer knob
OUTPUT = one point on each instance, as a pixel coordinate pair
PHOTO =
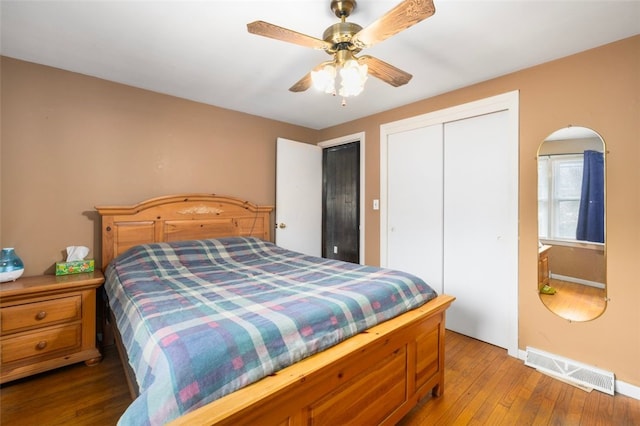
(41, 315)
(41, 345)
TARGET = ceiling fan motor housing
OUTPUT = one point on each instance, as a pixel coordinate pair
(340, 35)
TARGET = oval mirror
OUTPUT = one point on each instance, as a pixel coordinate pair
(571, 224)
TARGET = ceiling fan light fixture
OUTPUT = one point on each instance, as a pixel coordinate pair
(324, 79)
(353, 76)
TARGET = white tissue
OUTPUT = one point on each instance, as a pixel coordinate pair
(77, 253)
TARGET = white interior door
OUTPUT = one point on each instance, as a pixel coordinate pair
(414, 222)
(299, 196)
(480, 227)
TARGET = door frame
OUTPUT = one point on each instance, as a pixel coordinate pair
(343, 140)
(507, 101)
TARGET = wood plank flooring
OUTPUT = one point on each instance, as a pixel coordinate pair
(72, 395)
(575, 302)
(484, 386)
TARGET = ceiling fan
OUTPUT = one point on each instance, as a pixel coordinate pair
(344, 40)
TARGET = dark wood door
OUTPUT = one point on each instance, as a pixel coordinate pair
(341, 202)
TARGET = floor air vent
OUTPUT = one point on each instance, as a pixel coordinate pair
(570, 370)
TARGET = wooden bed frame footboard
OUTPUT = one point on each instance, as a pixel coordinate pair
(375, 377)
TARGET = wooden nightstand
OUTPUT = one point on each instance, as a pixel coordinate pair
(543, 266)
(47, 322)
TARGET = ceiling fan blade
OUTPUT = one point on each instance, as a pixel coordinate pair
(385, 72)
(401, 17)
(303, 84)
(279, 33)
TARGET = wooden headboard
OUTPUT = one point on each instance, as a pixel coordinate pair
(180, 217)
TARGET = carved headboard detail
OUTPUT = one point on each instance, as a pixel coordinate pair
(180, 217)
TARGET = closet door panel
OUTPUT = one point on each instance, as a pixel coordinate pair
(414, 198)
(480, 226)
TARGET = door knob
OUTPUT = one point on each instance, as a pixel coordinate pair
(282, 225)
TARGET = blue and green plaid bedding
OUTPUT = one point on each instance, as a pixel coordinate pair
(201, 319)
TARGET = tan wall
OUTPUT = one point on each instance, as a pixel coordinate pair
(599, 89)
(577, 262)
(138, 144)
(71, 142)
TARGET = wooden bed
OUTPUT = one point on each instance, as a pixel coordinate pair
(375, 377)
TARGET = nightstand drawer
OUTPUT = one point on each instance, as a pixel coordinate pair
(40, 343)
(41, 313)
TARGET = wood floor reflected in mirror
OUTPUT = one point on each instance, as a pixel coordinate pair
(575, 302)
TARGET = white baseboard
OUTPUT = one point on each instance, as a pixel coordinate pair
(577, 280)
(628, 389)
(623, 388)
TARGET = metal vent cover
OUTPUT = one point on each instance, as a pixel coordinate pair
(570, 370)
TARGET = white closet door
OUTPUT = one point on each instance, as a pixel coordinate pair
(480, 227)
(414, 203)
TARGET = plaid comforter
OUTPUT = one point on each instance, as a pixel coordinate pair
(201, 319)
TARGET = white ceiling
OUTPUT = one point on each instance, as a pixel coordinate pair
(201, 50)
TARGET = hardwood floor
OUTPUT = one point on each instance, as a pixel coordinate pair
(72, 395)
(575, 302)
(484, 386)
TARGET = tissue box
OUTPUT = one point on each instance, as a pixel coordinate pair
(74, 267)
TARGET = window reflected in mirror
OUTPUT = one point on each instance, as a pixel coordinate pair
(571, 224)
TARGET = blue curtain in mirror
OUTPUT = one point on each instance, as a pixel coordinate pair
(591, 211)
